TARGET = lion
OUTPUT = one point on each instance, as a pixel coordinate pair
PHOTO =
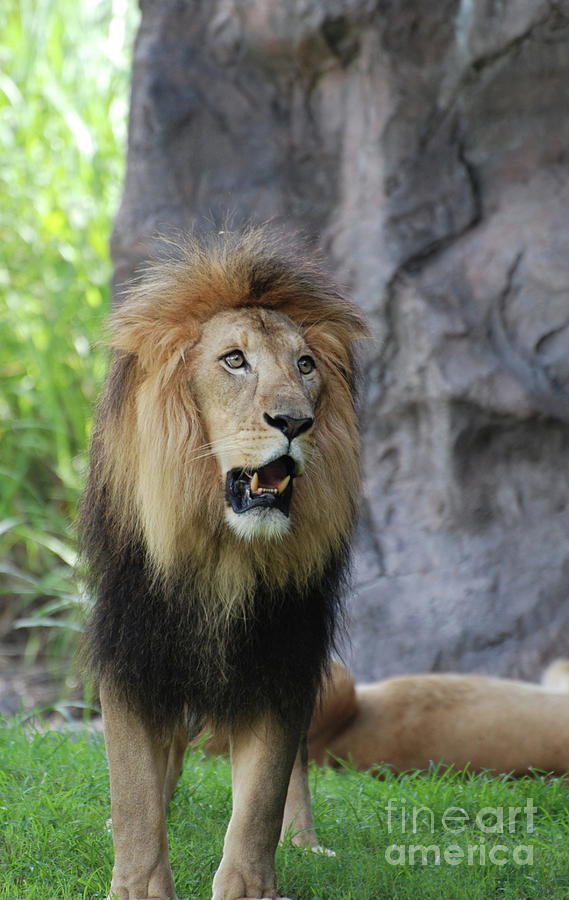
(216, 524)
(415, 721)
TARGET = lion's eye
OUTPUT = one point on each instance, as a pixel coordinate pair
(234, 359)
(306, 365)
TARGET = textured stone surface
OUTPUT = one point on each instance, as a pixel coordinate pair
(425, 145)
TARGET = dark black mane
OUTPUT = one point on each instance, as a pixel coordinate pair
(163, 649)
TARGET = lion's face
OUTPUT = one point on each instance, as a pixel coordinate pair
(257, 383)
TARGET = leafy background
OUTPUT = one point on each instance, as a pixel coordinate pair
(64, 83)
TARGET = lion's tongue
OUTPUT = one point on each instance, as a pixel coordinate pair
(273, 477)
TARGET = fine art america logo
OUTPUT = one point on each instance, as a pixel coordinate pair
(487, 835)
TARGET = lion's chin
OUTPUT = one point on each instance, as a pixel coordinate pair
(258, 524)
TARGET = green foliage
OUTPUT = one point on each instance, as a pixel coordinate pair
(54, 839)
(64, 68)
(53, 808)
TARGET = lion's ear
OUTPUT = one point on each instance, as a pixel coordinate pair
(151, 332)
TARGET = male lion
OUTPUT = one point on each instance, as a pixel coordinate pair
(216, 522)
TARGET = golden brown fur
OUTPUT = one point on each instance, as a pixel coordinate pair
(412, 721)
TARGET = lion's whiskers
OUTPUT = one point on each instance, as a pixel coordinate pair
(212, 448)
(214, 451)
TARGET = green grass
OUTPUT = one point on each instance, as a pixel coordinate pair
(64, 78)
(54, 841)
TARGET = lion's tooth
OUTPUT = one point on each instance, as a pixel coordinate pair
(282, 485)
(255, 483)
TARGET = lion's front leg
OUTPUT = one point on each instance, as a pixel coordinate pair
(262, 755)
(138, 759)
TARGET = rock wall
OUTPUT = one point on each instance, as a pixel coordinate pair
(425, 145)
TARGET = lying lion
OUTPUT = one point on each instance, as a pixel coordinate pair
(413, 720)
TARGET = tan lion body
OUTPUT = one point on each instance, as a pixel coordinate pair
(412, 721)
(216, 521)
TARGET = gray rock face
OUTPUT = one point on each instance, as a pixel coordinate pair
(426, 146)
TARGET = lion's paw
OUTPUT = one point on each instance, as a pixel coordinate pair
(324, 851)
(314, 848)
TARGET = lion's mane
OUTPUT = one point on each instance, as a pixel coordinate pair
(187, 613)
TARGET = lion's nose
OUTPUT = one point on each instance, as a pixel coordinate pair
(289, 426)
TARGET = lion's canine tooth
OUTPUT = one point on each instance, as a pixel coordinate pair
(255, 483)
(282, 485)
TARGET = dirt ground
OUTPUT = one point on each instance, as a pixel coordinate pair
(37, 685)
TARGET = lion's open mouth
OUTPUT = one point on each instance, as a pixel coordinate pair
(269, 487)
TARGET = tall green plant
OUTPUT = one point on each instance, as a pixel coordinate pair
(64, 73)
